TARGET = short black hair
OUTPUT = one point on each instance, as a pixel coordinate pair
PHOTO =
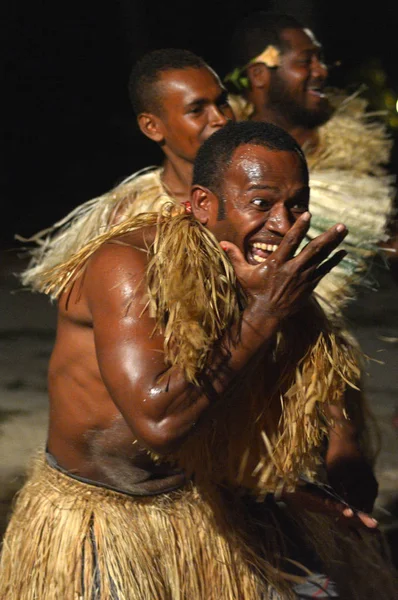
(257, 31)
(145, 74)
(215, 155)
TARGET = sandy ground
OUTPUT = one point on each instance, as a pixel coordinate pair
(27, 325)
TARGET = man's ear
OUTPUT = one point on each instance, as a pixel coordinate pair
(151, 126)
(258, 75)
(203, 203)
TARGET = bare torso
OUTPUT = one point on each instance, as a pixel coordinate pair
(88, 436)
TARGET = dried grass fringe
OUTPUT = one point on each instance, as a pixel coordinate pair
(179, 546)
(237, 440)
(359, 562)
(141, 192)
(350, 182)
(74, 541)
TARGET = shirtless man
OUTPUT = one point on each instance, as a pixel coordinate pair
(279, 74)
(158, 437)
(178, 101)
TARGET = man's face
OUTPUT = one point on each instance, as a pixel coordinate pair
(264, 192)
(297, 84)
(194, 105)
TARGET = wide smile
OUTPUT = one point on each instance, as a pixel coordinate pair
(259, 252)
(316, 92)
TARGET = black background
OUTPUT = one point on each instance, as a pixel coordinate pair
(68, 130)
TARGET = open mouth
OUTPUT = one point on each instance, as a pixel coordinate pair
(317, 92)
(259, 251)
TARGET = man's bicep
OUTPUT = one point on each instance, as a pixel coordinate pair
(129, 356)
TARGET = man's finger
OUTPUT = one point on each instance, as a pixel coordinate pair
(235, 255)
(293, 238)
(353, 520)
(320, 247)
(328, 265)
(367, 520)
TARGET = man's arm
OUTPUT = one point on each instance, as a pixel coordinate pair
(390, 246)
(162, 413)
(349, 470)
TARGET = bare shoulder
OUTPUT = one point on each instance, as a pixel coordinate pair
(114, 273)
(127, 252)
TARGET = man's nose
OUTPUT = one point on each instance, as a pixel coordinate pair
(279, 220)
(217, 117)
(319, 68)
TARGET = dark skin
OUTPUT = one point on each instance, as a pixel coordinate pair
(105, 366)
(391, 245)
(293, 96)
(193, 105)
(348, 473)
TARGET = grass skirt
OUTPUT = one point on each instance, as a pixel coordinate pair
(71, 540)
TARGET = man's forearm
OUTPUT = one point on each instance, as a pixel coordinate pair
(180, 404)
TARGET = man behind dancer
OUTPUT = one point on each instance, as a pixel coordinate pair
(179, 101)
(279, 75)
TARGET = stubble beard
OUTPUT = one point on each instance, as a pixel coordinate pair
(284, 103)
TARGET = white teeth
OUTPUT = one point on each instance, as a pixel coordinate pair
(267, 247)
(258, 259)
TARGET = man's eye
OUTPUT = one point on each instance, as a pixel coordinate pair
(305, 62)
(298, 207)
(261, 203)
(197, 110)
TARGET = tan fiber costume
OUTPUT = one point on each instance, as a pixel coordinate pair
(218, 537)
(142, 191)
(349, 183)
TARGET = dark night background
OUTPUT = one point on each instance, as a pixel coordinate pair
(68, 130)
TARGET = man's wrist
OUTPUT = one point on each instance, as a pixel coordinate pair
(261, 320)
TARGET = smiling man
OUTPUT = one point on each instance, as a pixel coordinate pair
(190, 386)
(178, 101)
(267, 192)
(279, 75)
